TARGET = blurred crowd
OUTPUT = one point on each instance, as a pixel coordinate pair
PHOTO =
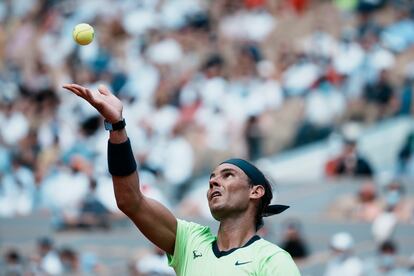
(339, 258)
(48, 259)
(201, 81)
(342, 260)
(384, 262)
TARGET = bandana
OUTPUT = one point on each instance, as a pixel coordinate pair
(258, 178)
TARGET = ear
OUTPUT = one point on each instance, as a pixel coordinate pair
(257, 192)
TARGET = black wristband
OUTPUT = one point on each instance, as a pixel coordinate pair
(121, 160)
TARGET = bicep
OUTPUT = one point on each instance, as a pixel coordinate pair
(157, 223)
(153, 219)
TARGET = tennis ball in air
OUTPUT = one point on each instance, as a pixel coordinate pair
(83, 34)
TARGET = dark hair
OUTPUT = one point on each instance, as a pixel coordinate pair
(264, 202)
(13, 256)
(212, 61)
(388, 246)
(45, 241)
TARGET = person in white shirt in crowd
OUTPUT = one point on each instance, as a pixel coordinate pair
(153, 263)
(17, 190)
(47, 259)
(343, 261)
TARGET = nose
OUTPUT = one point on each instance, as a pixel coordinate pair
(213, 182)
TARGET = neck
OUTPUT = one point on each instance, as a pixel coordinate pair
(234, 232)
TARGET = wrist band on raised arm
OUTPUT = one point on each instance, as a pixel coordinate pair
(121, 160)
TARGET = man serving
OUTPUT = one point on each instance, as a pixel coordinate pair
(239, 196)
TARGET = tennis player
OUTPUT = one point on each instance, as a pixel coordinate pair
(239, 196)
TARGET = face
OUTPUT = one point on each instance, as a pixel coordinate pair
(349, 148)
(229, 191)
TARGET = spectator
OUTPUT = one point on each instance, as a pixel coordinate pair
(364, 206)
(349, 162)
(368, 6)
(406, 98)
(299, 6)
(92, 213)
(385, 263)
(70, 261)
(16, 123)
(401, 206)
(153, 263)
(379, 98)
(343, 261)
(13, 263)
(406, 156)
(250, 25)
(253, 136)
(84, 263)
(49, 261)
(383, 226)
(324, 107)
(411, 266)
(293, 241)
(62, 193)
(18, 189)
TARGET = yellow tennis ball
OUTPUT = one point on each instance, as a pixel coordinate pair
(83, 33)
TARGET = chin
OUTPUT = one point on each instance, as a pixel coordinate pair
(216, 213)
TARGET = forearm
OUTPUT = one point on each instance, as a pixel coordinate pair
(132, 202)
(127, 193)
(126, 188)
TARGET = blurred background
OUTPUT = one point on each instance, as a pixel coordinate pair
(319, 94)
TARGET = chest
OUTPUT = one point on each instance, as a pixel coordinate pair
(202, 261)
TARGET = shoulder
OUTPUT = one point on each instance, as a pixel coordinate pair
(193, 227)
(268, 248)
(189, 235)
(275, 260)
(191, 230)
(266, 251)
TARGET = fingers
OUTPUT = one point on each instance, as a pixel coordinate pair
(67, 86)
(79, 90)
(104, 90)
(71, 88)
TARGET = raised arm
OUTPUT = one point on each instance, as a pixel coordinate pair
(154, 220)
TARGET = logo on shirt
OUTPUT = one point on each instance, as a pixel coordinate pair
(241, 263)
(196, 254)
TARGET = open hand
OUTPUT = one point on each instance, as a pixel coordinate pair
(109, 106)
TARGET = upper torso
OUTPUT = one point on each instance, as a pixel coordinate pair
(196, 253)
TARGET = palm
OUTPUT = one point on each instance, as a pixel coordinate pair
(109, 106)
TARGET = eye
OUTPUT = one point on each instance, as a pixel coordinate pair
(228, 174)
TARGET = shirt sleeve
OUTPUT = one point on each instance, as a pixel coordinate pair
(176, 260)
(187, 234)
(279, 264)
